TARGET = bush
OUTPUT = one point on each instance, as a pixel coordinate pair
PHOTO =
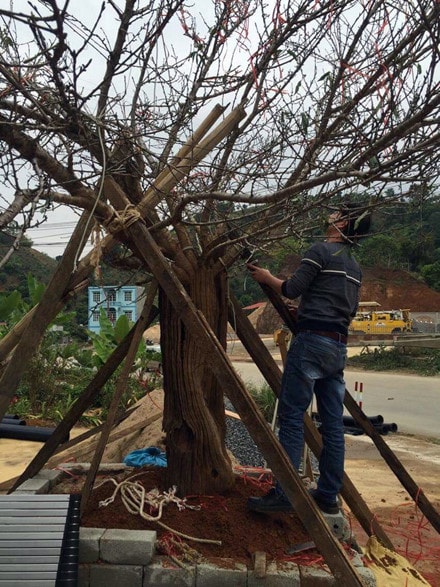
(412, 360)
(264, 398)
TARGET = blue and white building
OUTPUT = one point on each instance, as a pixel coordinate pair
(116, 300)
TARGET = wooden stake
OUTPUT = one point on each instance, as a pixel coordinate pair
(265, 362)
(121, 386)
(361, 419)
(42, 316)
(79, 407)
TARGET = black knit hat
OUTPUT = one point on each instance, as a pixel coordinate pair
(359, 220)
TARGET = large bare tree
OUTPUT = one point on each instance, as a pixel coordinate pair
(224, 124)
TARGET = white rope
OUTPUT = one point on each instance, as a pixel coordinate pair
(136, 499)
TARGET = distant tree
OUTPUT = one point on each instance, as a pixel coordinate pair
(113, 110)
(431, 274)
(405, 235)
(381, 250)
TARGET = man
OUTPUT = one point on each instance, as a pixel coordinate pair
(328, 281)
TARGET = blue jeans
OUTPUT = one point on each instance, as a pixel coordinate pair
(315, 364)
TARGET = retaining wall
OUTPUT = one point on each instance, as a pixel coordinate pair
(128, 558)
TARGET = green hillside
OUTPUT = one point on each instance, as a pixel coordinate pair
(25, 260)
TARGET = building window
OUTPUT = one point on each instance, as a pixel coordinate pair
(95, 317)
(128, 296)
(111, 314)
(129, 314)
(111, 295)
(96, 296)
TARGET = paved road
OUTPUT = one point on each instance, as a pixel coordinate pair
(410, 401)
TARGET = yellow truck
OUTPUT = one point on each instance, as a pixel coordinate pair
(376, 321)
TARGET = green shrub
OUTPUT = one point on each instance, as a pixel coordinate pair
(411, 360)
(264, 398)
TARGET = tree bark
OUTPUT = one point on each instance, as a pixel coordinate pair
(194, 416)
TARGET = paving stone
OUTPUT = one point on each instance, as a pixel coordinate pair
(83, 575)
(102, 575)
(52, 475)
(339, 525)
(89, 544)
(313, 577)
(161, 572)
(130, 547)
(229, 574)
(34, 486)
(277, 575)
(136, 548)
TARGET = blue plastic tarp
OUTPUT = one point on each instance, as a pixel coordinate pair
(146, 456)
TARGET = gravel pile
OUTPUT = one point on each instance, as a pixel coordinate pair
(241, 445)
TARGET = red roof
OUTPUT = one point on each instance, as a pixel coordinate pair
(255, 306)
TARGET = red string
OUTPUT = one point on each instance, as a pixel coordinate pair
(210, 501)
(413, 536)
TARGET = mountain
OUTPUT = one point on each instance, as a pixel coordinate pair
(391, 288)
(395, 289)
(25, 260)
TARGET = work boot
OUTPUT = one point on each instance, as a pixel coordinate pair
(273, 501)
(326, 506)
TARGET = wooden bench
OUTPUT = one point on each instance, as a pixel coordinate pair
(39, 540)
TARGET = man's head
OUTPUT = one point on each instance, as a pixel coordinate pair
(351, 221)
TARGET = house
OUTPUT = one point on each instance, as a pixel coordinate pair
(116, 300)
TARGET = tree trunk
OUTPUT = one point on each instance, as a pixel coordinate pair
(194, 417)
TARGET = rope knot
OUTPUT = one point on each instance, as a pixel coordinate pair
(121, 220)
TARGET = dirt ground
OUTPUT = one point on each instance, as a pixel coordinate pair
(409, 531)
(242, 533)
(411, 534)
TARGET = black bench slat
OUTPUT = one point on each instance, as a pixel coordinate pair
(29, 569)
(42, 535)
(42, 510)
(50, 559)
(33, 520)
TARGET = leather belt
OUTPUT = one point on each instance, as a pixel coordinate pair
(328, 334)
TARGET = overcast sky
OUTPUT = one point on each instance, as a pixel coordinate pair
(52, 237)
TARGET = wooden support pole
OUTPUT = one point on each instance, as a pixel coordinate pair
(396, 466)
(362, 420)
(8, 483)
(45, 312)
(193, 156)
(165, 181)
(83, 452)
(121, 386)
(270, 371)
(155, 192)
(79, 407)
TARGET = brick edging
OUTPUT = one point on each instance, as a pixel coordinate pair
(116, 557)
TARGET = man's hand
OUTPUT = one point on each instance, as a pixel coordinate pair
(259, 273)
(265, 277)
